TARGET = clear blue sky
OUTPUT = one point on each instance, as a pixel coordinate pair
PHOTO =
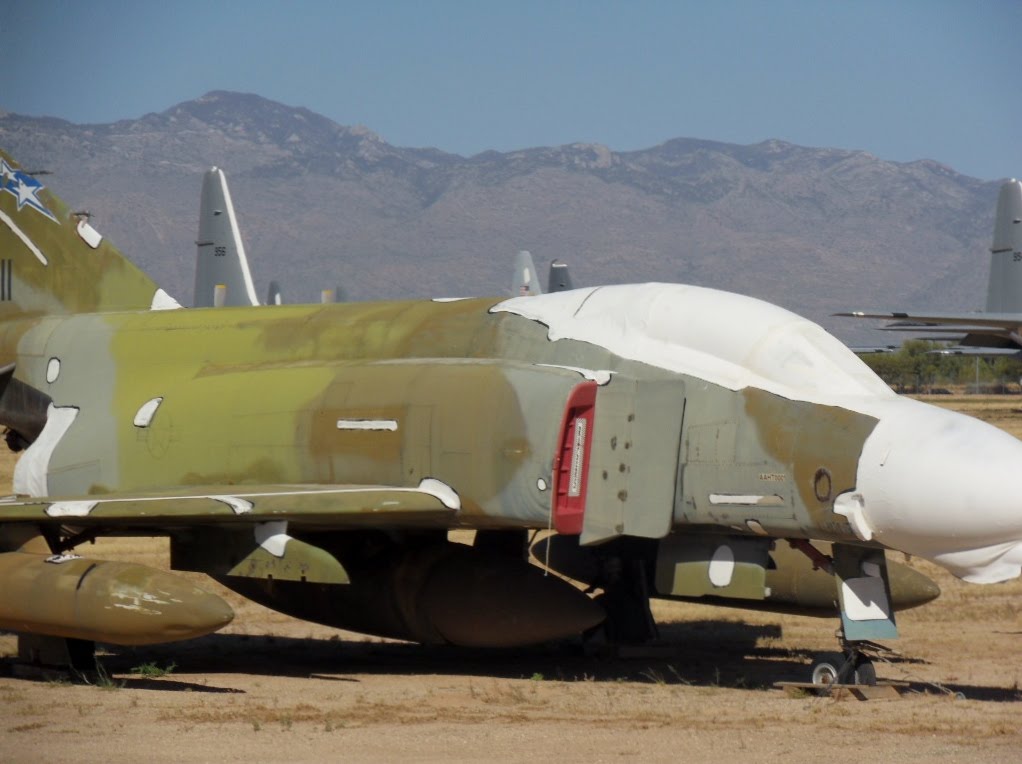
(904, 80)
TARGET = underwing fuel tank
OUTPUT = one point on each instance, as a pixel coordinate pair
(792, 584)
(114, 602)
(438, 594)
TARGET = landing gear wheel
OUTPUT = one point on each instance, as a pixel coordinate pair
(825, 669)
(865, 672)
(835, 668)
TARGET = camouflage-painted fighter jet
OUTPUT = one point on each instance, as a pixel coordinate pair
(314, 457)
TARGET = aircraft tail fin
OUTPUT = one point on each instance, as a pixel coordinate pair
(1004, 295)
(53, 262)
(273, 295)
(220, 258)
(525, 281)
(559, 279)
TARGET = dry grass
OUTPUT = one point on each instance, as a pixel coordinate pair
(1004, 411)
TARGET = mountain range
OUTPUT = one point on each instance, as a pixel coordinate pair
(816, 230)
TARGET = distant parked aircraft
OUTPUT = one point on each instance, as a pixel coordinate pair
(998, 329)
(222, 276)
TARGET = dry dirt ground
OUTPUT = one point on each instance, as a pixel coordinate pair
(270, 688)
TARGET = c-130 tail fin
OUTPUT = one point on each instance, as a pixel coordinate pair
(1004, 294)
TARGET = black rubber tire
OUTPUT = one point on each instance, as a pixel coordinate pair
(866, 673)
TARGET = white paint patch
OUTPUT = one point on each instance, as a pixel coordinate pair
(52, 370)
(724, 338)
(272, 537)
(865, 599)
(541, 484)
(59, 559)
(24, 238)
(238, 505)
(163, 301)
(599, 376)
(138, 608)
(447, 495)
(450, 299)
(750, 500)
(88, 234)
(722, 566)
(30, 473)
(389, 425)
(71, 508)
(733, 498)
(146, 412)
(756, 527)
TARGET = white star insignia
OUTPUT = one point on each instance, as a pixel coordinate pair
(24, 188)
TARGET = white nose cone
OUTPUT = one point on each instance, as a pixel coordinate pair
(942, 486)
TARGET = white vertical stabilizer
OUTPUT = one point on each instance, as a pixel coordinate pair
(220, 257)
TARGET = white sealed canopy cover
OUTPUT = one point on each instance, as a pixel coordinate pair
(725, 338)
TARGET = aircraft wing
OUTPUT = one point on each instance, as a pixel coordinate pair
(992, 331)
(977, 321)
(980, 351)
(431, 504)
(870, 349)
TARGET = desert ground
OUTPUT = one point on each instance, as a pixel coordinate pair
(271, 688)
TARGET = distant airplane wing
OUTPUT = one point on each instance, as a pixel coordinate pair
(994, 331)
(965, 321)
(431, 504)
(1000, 326)
(869, 349)
(979, 334)
(981, 351)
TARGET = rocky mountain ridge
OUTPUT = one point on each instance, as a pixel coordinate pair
(815, 230)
